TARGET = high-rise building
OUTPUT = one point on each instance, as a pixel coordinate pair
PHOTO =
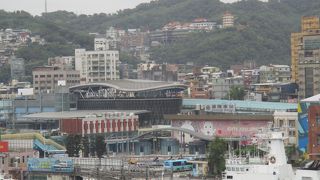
(309, 26)
(97, 66)
(305, 60)
(309, 66)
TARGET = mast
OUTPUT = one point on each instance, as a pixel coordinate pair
(45, 7)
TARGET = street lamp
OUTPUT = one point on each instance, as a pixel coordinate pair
(61, 84)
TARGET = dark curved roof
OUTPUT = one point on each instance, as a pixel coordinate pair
(132, 85)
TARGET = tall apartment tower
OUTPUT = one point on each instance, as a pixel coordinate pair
(305, 57)
(97, 66)
(309, 25)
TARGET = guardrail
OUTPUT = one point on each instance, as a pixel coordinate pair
(37, 136)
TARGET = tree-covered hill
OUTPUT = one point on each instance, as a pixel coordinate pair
(262, 30)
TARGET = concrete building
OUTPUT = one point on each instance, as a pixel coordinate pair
(309, 26)
(203, 24)
(277, 92)
(222, 86)
(97, 66)
(158, 72)
(209, 70)
(45, 79)
(288, 122)
(250, 76)
(165, 37)
(275, 73)
(309, 66)
(133, 40)
(101, 44)
(17, 68)
(314, 128)
(63, 62)
(227, 20)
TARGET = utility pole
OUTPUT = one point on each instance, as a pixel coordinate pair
(147, 173)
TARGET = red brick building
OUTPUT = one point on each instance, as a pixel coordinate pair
(105, 123)
(314, 132)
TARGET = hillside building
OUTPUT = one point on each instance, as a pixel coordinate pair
(97, 66)
(63, 62)
(45, 79)
(17, 68)
(275, 73)
(158, 72)
(227, 20)
(221, 86)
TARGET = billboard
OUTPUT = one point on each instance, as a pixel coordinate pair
(25, 92)
(61, 82)
(245, 129)
(4, 146)
(50, 165)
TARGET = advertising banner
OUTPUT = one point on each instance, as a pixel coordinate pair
(50, 165)
(4, 146)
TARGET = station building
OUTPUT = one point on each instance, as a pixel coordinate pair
(235, 121)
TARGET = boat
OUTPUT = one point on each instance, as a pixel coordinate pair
(270, 166)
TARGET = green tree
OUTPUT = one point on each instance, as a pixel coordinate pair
(85, 146)
(100, 146)
(236, 93)
(216, 161)
(73, 145)
(92, 146)
(5, 73)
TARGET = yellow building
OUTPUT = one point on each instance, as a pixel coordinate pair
(310, 25)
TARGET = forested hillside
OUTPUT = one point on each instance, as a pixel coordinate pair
(262, 30)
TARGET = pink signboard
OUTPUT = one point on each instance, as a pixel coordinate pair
(225, 129)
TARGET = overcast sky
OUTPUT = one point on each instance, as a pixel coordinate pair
(36, 7)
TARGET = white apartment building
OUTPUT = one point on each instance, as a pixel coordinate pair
(97, 66)
(288, 122)
(101, 44)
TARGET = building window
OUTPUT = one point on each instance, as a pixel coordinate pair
(42, 76)
(292, 133)
(318, 139)
(280, 123)
(317, 119)
(292, 123)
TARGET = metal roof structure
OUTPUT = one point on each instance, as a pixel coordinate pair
(243, 105)
(315, 98)
(131, 85)
(78, 114)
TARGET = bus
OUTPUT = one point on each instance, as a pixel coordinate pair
(177, 165)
